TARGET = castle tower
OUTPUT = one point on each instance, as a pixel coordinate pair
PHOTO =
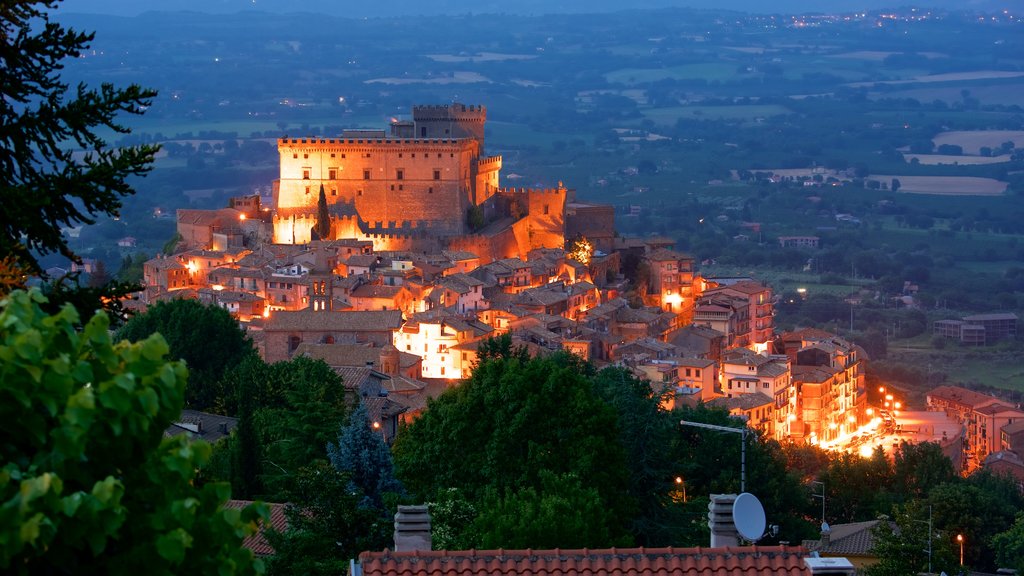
(450, 121)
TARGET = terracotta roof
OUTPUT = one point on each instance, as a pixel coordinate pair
(664, 254)
(257, 542)
(962, 396)
(743, 401)
(351, 354)
(357, 320)
(813, 374)
(733, 561)
(692, 362)
(376, 291)
(744, 287)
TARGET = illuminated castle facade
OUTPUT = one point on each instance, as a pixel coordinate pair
(418, 186)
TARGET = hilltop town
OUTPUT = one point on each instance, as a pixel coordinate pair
(398, 253)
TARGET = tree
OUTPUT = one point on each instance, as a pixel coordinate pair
(326, 526)
(917, 468)
(364, 456)
(507, 425)
(88, 483)
(902, 544)
(44, 185)
(207, 338)
(1009, 545)
(322, 228)
(648, 435)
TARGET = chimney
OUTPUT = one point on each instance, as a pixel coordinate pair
(723, 529)
(826, 536)
(412, 528)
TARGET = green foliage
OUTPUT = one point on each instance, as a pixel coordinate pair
(475, 218)
(917, 468)
(709, 463)
(88, 484)
(561, 512)
(44, 187)
(326, 526)
(1009, 545)
(501, 347)
(507, 427)
(294, 407)
(857, 489)
(648, 434)
(902, 546)
(89, 299)
(207, 338)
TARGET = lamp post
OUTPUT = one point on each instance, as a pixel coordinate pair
(960, 540)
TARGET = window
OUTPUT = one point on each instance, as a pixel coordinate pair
(332, 174)
(399, 174)
(687, 372)
(437, 174)
(305, 173)
(366, 174)
(765, 385)
(295, 156)
(334, 192)
(332, 154)
(697, 372)
(545, 208)
(305, 155)
(430, 190)
(359, 192)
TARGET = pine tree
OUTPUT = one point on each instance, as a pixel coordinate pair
(364, 455)
(43, 186)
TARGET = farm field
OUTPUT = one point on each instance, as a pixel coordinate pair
(947, 185)
(669, 116)
(939, 159)
(704, 70)
(973, 140)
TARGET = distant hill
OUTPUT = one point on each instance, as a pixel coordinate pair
(526, 7)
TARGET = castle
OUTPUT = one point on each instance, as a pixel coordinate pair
(424, 185)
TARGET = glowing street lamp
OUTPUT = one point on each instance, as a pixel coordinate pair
(960, 540)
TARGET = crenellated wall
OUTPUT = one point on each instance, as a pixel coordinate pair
(386, 180)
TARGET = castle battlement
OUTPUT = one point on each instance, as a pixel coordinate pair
(483, 163)
(469, 112)
(306, 142)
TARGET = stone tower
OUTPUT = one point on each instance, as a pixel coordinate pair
(450, 121)
(389, 360)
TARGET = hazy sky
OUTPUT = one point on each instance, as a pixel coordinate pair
(412, 7)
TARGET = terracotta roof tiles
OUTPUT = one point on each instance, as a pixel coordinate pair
(258, 542)
(736, 561)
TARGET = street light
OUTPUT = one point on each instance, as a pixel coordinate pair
(960, 539)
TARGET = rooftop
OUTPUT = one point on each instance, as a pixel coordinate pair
(734, 561)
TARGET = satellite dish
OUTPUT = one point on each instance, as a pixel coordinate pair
(748, 516)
